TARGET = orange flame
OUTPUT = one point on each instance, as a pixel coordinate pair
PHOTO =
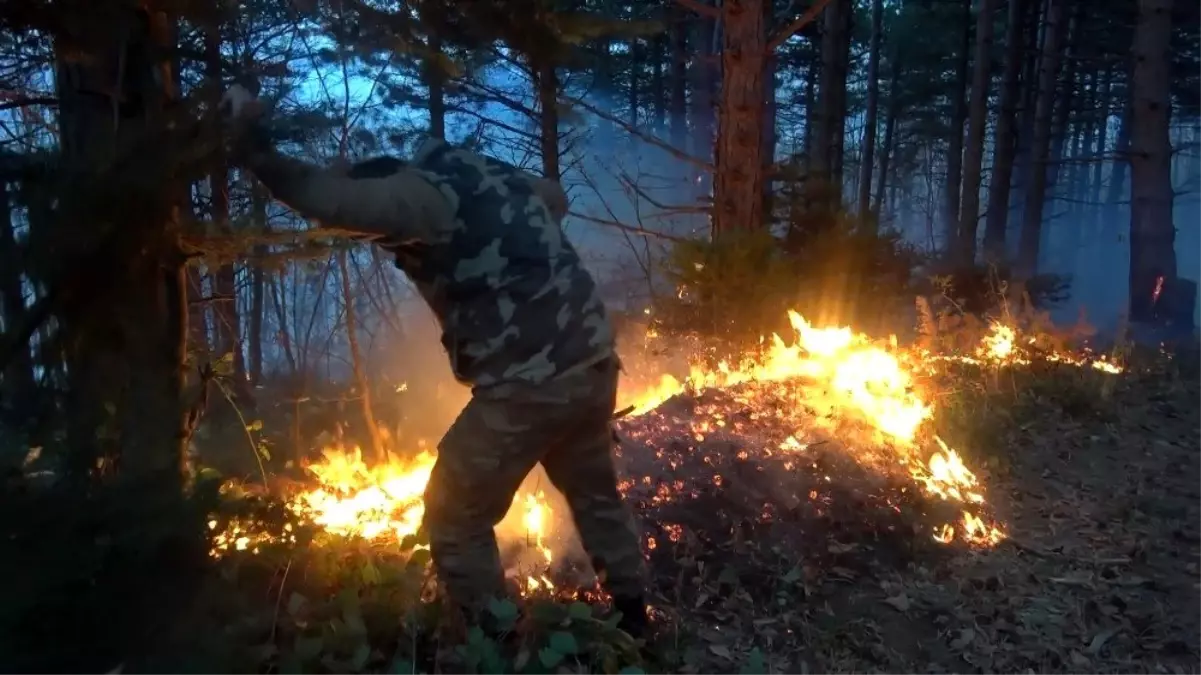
(851, 376)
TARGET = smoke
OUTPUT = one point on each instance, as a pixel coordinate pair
(1093, 248)
(631, 195)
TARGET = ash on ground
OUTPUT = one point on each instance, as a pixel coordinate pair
(712, 479)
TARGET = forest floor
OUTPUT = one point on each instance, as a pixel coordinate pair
(803, 561)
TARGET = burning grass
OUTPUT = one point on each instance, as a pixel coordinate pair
(825, 383)
(814, 557)
(826, 379)
(828, 410)
(836, 504)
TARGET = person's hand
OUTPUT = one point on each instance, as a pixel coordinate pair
(243, 114)
(239, 105)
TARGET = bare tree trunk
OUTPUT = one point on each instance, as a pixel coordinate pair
(258, 289)
(435, 82)
(867, 162)
(1035, 30)
(1032, 213)
(1101, 148)
(1066, 102)
(955, 145)
(225, 291)
(125, 326)
(1121, 160)
(738, 183)
(825, 184)
(702, 79)
(890, 125)
(1004, 137)
(658, 50)
(812, 120)
(547, 82)
(839, 139)
(969, 210)
(768, 136)
(378, 451)
(284, 333)
(1088, 156)
(17, 384)
(678, 105)
(633, 89)
(1152, 232)
(602, 70)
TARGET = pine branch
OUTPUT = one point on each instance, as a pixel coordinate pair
(796, 26)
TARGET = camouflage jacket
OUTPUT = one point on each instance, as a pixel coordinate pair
(481, 240)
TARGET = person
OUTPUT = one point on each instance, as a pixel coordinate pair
(522, 324)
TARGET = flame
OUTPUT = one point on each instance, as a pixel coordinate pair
(842, 374)
(1002, 347)
(874, 382)
(369, 502)
(382, 502)
(386, 500)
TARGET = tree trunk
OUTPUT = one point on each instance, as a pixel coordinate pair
(768, 137)
(378, 451)
(1035, 30)
(123, 316)
(283, 334)
(198, 320)
(435, 82)
(633, 89)
(225, 291)
(867, 161)
(17, 384)
(825, 183)
(1032, 212)
(839, 139)
(890, 126)
(1101, 148)
(258, 290)
(1067, 247)
(678, 105)
(955, 145)
(1087, 155)
(658, 89)
(812, 121)
(702, 79)
(1152, 232)
(547, 82)
(1121, 159)
(1067, 101)
(739, 175)
(969, 210)
(1004, 141)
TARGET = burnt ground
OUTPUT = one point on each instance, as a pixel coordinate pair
(813, 559)
(1096, 479)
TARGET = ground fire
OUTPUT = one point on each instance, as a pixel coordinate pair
(867, 393)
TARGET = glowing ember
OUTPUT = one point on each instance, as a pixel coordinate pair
(833, 373)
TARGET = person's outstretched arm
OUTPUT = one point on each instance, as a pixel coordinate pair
(389, 201)
(401, 205)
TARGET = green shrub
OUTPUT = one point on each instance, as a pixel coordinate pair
(729, 291)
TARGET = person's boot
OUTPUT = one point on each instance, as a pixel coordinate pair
(633, 616)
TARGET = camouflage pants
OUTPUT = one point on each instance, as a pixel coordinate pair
(495, 442)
